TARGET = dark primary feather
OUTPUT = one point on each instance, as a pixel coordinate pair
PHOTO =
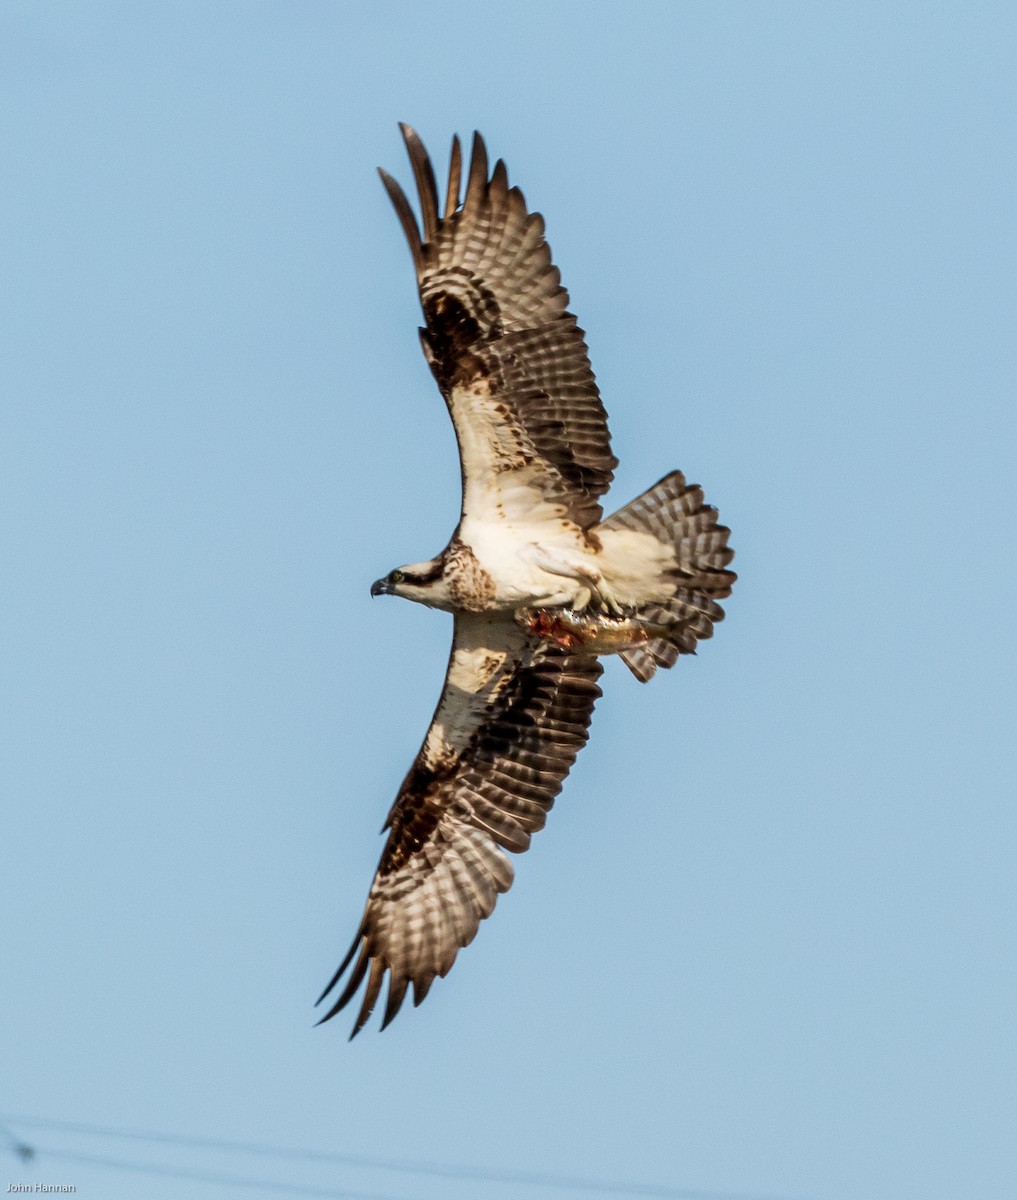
(443, 864)
(496, 311)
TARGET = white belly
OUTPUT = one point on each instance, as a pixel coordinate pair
(517, 557)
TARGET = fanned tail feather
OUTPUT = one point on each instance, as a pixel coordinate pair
(676, 514)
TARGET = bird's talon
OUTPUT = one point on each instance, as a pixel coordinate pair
(581, 600)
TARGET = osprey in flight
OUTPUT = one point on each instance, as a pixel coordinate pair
(539, 583)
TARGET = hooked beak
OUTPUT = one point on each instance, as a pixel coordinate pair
(381, 587)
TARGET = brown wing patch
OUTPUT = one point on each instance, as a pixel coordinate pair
(453, 336)
(415, 815)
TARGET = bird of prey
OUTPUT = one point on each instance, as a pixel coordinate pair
(539, 583)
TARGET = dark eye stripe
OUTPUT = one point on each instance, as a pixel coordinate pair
(421, 579)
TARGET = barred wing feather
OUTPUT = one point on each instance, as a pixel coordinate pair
(513, 715)
(509, 359)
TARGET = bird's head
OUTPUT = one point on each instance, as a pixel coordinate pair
(416, 581)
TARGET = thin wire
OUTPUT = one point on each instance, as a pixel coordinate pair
(406, 1166)
(22, 1149)
(265, 1185)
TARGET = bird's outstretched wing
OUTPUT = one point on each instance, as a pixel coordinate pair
(510, 361)
(512, 717)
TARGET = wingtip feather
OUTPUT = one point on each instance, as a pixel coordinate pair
(397, 985)
(341, 969)
(455, 170)
(374, 981)
(477, 182)
(423, 173)
(405, 215)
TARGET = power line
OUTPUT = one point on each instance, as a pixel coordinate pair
(265, 1185)
(22, 1149)
(405, 1166)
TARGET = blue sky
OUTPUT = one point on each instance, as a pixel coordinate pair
(765, 944)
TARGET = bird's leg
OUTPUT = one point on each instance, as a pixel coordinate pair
(607, 601)
(582, 598)
(572, 566)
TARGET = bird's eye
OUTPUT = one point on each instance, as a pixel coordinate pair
(397, 577)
